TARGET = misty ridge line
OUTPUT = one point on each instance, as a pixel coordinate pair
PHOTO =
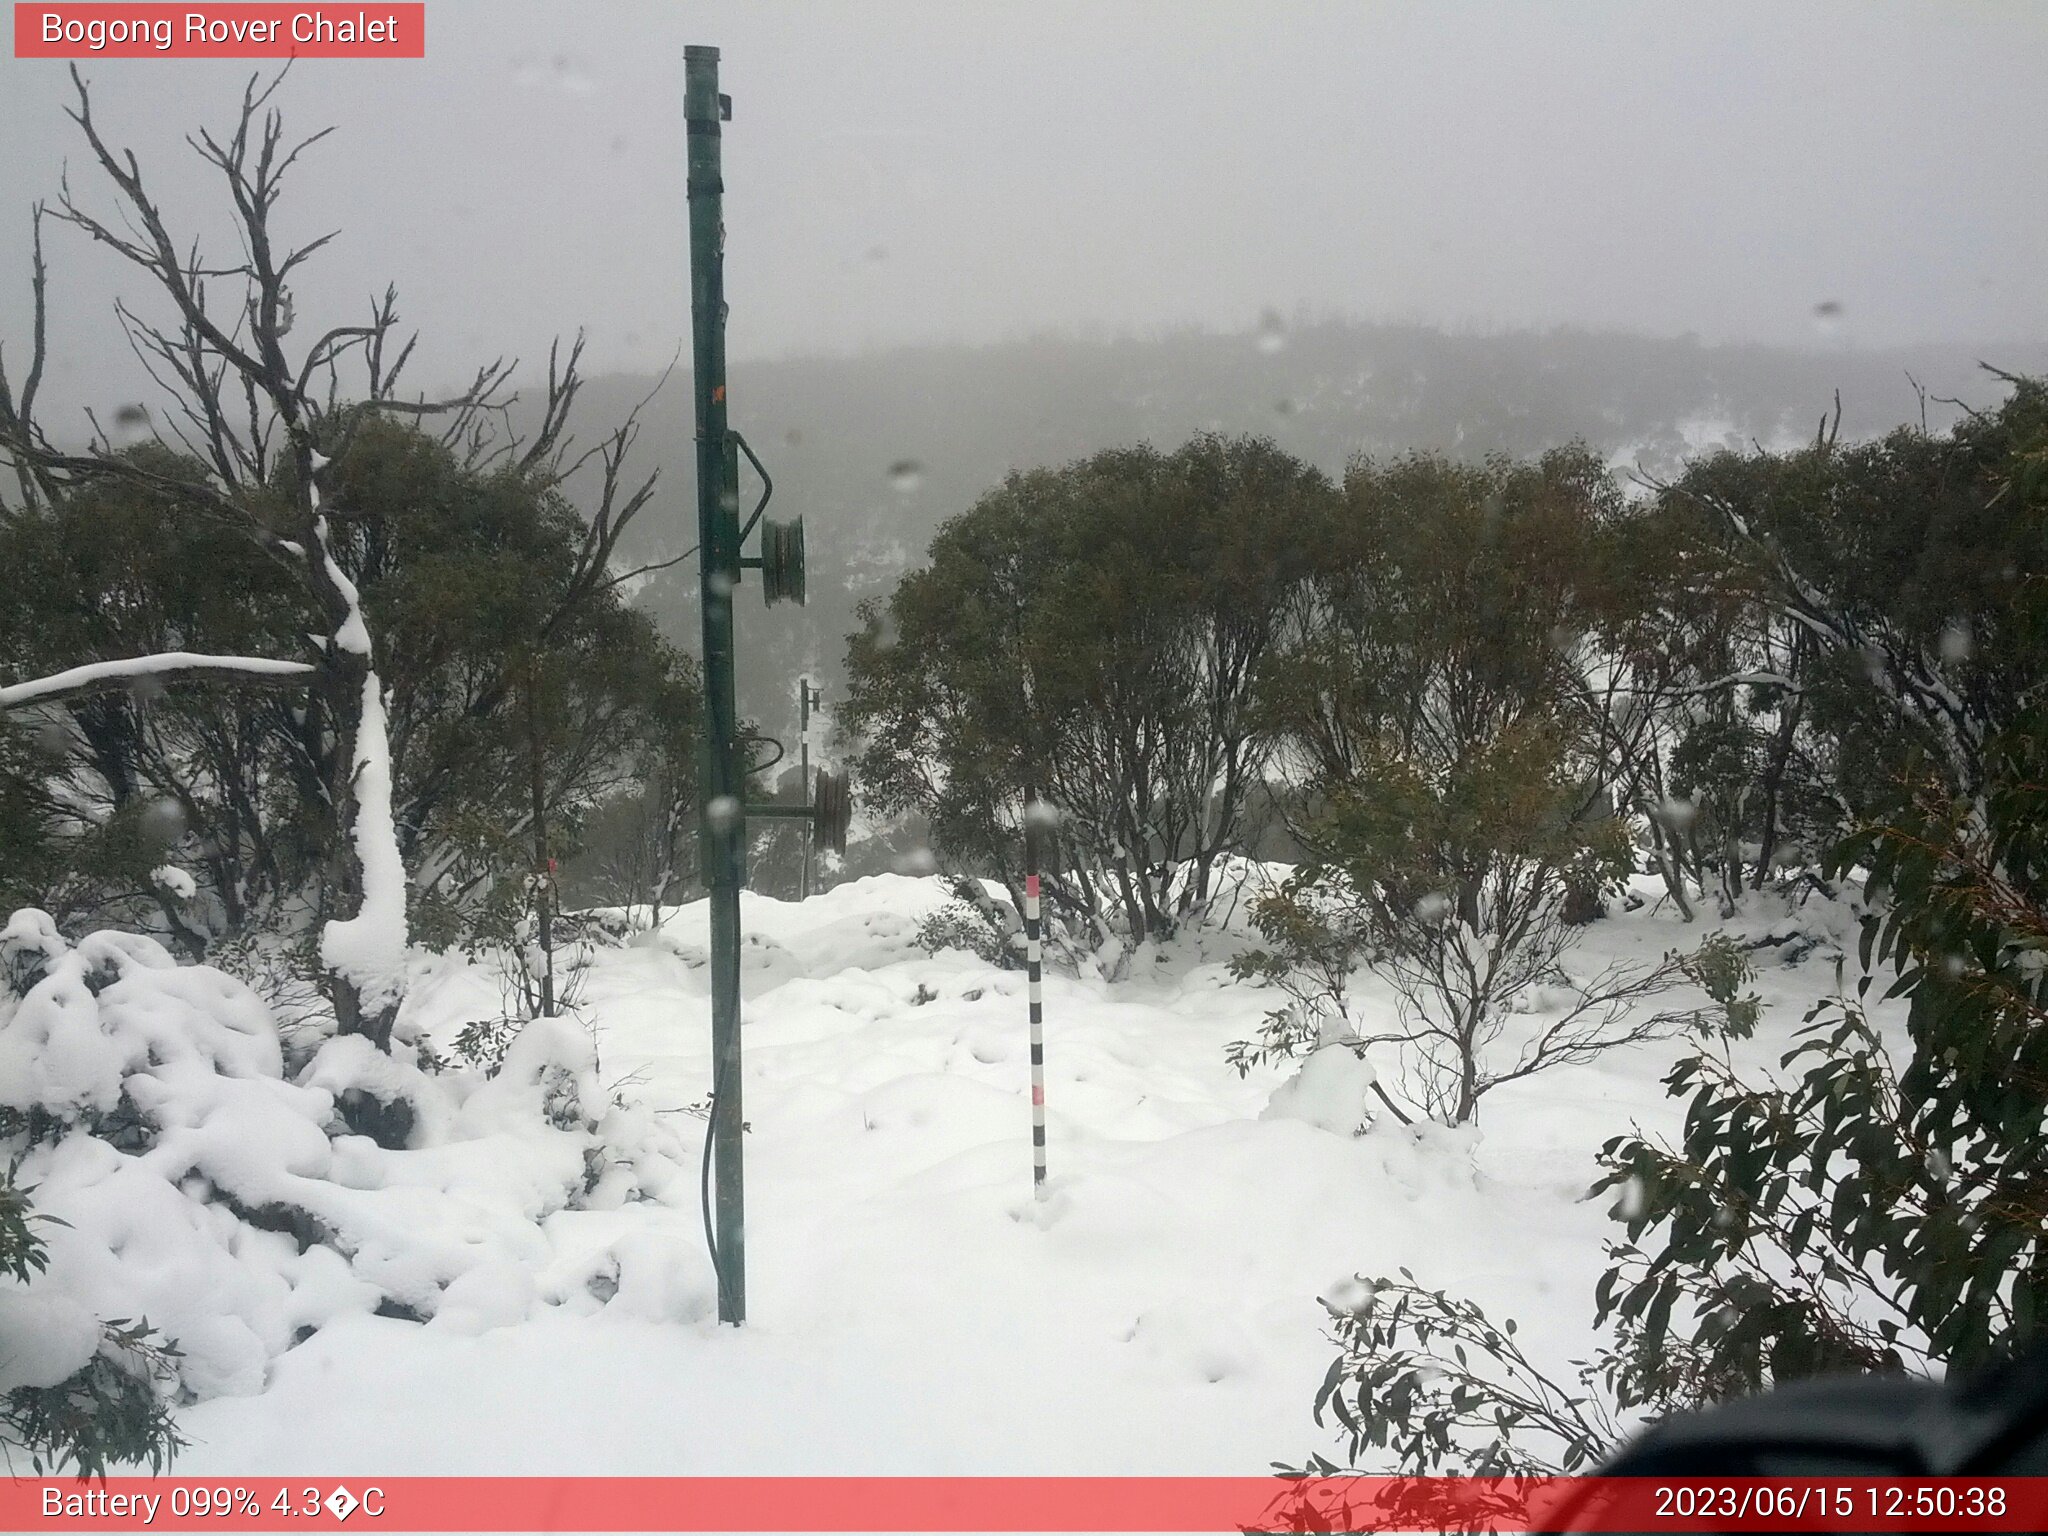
(834, 430)
(968, 413)
(1594, 367)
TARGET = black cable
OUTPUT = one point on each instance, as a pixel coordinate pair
(704, 1174)
(780, 751)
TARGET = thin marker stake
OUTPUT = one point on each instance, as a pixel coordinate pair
(1034, 961)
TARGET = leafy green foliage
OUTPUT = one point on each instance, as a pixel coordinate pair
(483, 1042)
(1721, 969)
(111, 1412)
(1865, 1215)
(960, 925)
(1428, 1381)
(22, 1253)
(1780, 1214)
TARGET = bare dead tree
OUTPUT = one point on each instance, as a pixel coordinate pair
(263, 421)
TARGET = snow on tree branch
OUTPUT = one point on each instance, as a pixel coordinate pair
(166, 666)
(369, 948)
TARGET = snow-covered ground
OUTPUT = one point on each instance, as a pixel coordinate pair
(911, 1308)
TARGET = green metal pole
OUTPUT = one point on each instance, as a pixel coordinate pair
(722, 814)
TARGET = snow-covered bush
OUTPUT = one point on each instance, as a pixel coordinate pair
(1482, 995)
(74, 1391)
(959, 925)
(240, 1202)
(1315, 942)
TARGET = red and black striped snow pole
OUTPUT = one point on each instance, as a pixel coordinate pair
(1034, 958)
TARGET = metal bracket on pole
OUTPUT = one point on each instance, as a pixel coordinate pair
(828, 815)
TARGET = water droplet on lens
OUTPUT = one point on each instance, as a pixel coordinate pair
(917, 861)
(906, 475)
(1635, 1199)
(131, 425)
(1433, 907)
(1677, 813)
(163, 821)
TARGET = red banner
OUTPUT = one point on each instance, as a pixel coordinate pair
(215, 31)
(1005, 1504)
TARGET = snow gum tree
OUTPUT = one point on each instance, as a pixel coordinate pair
(1094, 632)
(1904, 566)
(1457, 816)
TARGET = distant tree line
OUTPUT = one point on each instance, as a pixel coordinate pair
(1478, 697)
(1716, 676)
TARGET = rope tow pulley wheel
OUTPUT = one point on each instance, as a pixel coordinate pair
(832, 809)
(782, 561)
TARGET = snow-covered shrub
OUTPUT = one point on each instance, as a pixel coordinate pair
(74, 1391)
(106, 1411)
(284, 971)
(958, 925)
(1482, 996)
(1314, 945)
(241, 1202)
(1333, 1088)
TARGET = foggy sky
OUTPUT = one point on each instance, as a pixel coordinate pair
(975, 170)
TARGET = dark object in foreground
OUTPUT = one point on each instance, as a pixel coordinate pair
(1992, 1423)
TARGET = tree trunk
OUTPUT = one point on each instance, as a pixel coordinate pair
(543, 863)
(1774, 784)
